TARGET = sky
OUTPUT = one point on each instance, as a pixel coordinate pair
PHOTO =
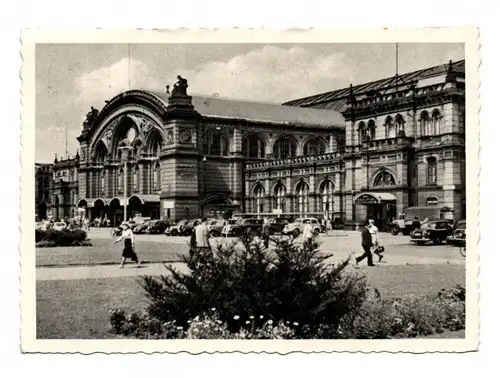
(70, 78)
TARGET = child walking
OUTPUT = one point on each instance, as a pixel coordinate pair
(128, 245)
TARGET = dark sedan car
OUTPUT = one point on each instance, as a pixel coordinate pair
(457, 237)
(157, 227)
(434, 232)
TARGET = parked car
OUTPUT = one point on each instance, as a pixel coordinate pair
(188, 228)
(141, 228)
(176, 229)
(156, 227)
(433, 231)
(215, 227)
(227, 225)
(244, 227)
(59, 226)
(297, 226)
(277, 225)
(404, 222)
(457, 237)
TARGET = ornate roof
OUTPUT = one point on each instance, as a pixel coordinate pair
(218, 107)
(337, 100)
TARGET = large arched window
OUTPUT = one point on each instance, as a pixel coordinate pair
(156, 176)
(259, 194)
(384, 179)
(362, 132)
(136, 178)
(371, 132)
(315, 146)
(302, 198)
(425, 124)
(436, 122)
(101, 181)
(326, 190)
(431, 171)
(120, 180)
(216, 144)
(253, 147)
(390, 128)
(279, 196)
(285, 147)
(400, 124)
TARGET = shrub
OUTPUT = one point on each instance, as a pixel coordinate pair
(65, 238)
(405, 317)
(293, 283)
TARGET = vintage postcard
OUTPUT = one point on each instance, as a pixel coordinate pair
(250, 190)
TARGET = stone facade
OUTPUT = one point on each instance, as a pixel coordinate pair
(371, 150)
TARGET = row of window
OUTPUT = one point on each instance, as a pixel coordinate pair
(154, 179)
(254, 146)
(429, 125)
(301, 197)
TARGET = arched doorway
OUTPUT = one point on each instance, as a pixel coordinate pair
(42, 211)
(217, 206)
(115, 212)
(99, 210)
(134, 207)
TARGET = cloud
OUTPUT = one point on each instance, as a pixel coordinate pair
(267, 74)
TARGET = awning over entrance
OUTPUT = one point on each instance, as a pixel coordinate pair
(92, 202)
(141, 198)
(374, 198)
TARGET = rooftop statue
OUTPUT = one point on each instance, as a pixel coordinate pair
(91, 116)
(180, 88)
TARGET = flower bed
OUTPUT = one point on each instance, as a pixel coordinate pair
(290, 293)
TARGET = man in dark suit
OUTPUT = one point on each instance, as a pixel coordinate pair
(366, 243)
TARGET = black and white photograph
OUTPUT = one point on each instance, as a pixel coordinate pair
(250, 191)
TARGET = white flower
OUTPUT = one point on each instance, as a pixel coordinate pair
(196, 319)
(261, 317)
(247, 322)
(295, 323)
(236, 317)
(270, 321)
(179, 328)
(213, 309)
(251, 316)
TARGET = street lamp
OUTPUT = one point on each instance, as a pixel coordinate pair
(125, 147)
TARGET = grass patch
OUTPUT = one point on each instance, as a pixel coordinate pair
(104, 252)
(78, 309)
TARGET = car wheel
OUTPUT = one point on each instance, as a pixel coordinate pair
(295, 233)
(436, 241)
(395, 230)
(316, 232)
(174, 233)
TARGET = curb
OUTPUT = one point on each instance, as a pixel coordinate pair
(106, 263)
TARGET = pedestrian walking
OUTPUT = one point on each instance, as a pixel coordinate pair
(266, 232)
(202, 236)
(376, 247)
(307, 233)
(128, 245)
(366, 244)
(329, 226)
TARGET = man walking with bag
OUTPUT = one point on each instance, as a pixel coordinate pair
(366, 244)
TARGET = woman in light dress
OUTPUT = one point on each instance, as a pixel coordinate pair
(128, 245)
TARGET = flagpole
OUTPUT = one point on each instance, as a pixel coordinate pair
(129, 86)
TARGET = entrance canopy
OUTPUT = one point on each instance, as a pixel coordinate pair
(368, 198)
(136, 198)
(93, 202)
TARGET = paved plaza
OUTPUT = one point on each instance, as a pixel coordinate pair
(101, 261)
(76, 287)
